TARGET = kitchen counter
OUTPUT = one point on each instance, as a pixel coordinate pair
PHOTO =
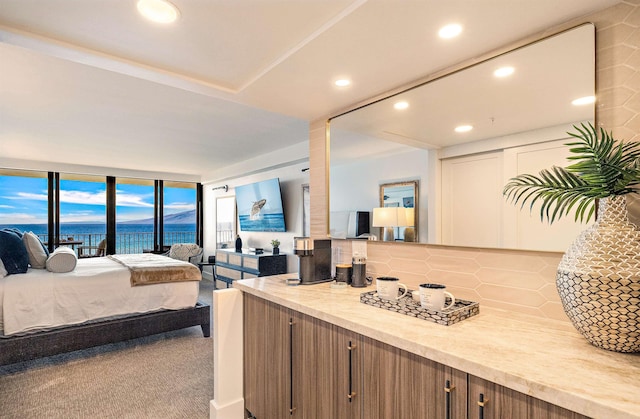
(544, 358)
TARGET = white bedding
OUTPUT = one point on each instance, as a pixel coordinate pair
(96, 288)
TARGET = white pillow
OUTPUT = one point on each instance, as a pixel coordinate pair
(37, 255)
(63, 259)
(3, 271)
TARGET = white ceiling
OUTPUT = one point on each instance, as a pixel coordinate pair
(548, 76)
(92, 83)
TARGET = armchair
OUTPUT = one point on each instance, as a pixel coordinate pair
(188, 252)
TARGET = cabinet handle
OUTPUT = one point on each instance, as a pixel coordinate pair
(351, 394)
(291, 408)
(481, 402)
(448, 388)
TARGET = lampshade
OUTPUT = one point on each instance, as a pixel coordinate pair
(389, 217)
(411, 217)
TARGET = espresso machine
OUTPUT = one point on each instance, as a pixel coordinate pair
(314, 260)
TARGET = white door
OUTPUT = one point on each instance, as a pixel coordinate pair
(472, 200)
(523, 228)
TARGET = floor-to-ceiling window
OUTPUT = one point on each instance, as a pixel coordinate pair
(24, 201)
(82, 212)
(179, 210)
(97, 215)
(134, 215)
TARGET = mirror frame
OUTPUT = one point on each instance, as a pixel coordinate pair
(451, 70)
(416, 189)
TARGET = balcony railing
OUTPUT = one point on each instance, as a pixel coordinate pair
(224, 236)
(86, 244)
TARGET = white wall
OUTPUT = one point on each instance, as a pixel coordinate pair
(287, 165)
(356, 186)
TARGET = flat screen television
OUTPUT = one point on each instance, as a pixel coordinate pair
(260, 206)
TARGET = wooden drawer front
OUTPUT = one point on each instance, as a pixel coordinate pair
(235, 260)
(251, 263)
(229, 273)
(222, 257)
(246, 275)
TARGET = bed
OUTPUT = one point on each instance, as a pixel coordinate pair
(44, 313)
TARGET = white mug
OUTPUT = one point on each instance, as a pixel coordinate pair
(432, 297)
(388, 288)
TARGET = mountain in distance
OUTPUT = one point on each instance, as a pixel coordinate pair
(185, 217)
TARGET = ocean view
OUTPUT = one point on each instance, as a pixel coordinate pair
(130, 238)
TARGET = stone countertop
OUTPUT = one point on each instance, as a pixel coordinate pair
(547, 359)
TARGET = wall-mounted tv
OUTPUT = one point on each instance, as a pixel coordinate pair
(260, 206)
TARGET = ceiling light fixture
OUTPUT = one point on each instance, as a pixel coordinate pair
(450, 31)
(159, 11)
(587, 100)
(504, 71)
(464, 128)
(401, 105)
(342, 82)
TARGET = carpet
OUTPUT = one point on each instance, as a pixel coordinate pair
(169, 375)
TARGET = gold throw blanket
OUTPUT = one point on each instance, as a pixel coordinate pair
(147, 268)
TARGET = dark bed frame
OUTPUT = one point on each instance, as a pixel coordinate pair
(72, 338)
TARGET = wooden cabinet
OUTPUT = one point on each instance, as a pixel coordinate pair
(298, 366)
(232, 265)
(399, 384)
(267, 358)
(326, 371)
(488, 400)
(301, 367)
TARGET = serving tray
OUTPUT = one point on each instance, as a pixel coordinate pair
(406, 305)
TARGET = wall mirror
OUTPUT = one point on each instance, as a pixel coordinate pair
(402, 200)
(462, 136)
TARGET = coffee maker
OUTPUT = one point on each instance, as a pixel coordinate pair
(314, 260)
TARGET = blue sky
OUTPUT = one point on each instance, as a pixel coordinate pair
(23, 200)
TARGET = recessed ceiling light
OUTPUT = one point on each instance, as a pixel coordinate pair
(401, 105)
(464, 128)
(587, 100)
(450, 31)
(504, 71)
(159, 11)
(342, 82)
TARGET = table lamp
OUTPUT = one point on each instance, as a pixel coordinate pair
(410, 231)
(389, 218)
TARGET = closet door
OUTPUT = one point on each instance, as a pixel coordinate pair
(523, 228)
(472, 200)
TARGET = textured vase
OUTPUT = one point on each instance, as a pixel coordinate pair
(598, 279)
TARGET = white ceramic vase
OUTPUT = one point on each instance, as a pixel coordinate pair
(598, 279)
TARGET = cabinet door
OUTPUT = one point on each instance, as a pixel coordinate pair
(327, 370)
(488, 400)
(399, 384)
(455, 393)
(267, 367)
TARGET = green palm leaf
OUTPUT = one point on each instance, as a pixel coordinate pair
(601, 167)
